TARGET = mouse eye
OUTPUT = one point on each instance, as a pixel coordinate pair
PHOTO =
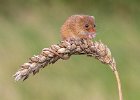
(94, 25)
(86, 25)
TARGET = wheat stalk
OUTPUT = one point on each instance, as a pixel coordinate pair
(63, 51)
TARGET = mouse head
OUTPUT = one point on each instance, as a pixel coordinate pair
(85, 26)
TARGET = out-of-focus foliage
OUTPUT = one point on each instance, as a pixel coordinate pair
(26, 27)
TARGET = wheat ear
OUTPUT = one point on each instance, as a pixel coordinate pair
(63, 51)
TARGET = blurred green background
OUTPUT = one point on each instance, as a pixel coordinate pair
(26, 27)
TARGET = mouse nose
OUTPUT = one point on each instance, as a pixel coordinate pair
(92, 30)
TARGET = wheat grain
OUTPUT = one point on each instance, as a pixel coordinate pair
(63, 51)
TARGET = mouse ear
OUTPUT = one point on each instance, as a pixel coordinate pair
(92, 17)
(81, 16)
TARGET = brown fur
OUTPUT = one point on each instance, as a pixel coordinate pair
(75, 27)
